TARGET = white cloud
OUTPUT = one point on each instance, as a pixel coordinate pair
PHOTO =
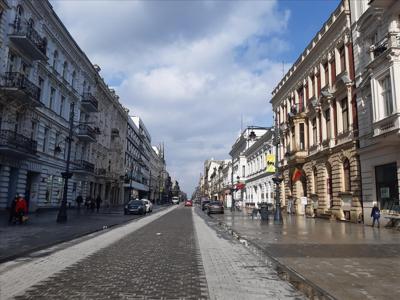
(190, 69)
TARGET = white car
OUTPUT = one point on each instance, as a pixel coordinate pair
(149, 205)
(175, 200)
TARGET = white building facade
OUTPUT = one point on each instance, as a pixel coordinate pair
(259, 184)
(376, 35)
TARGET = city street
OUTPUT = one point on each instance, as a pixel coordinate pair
(171, 254)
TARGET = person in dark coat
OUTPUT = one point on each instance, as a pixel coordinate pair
(375, 215)
(79, 201)
(12, 216)
(98, 202)
(92, 204)
(87, 202)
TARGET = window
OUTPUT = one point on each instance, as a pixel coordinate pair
(342, 59)
(41, 88)
(57, 142)
(326, 74)
(333, 71)
(73, 79)
(243, 171)
(328, 123)
(55, 60)
(387, 188)
(301, 100)
(318, 79)
(33, 130)
(301, 136)
(346, 175)
(386, 95)
(62, 103)
(45, 139)
(312, 86)
(52, 98)
(65, 69)
(314, 128)
(293, 139)
(345, 115)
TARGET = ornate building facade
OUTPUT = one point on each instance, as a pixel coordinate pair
(315, 110)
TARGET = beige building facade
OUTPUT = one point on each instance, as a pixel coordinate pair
(315, 110)
(376, 34)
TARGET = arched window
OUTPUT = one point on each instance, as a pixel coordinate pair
(65, 69)
(55, 59)
(346, 176)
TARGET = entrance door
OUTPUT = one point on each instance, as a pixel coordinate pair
(12, 185)
(32, 190)
(387, 191)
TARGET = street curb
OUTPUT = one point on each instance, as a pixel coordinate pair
(309, 288)
(77, 236)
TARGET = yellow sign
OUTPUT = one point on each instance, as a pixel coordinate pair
(270, 162)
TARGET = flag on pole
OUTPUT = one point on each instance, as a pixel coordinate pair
(296, 175)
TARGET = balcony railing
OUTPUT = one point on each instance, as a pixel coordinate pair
(83, 166)
(19, 86)
(27, 39)
(87, 133)
(89, 102)
(10, 141)
(387, 125)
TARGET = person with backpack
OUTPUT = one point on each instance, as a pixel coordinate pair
(375, 214)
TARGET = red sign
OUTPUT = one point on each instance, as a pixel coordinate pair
(240, 186)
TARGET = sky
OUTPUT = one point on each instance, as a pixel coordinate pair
(194, 71)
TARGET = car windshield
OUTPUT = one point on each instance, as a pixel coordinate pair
(135, 202)
(215, 203)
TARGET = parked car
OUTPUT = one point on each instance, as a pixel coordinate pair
(215, 207)
(175, 200)
(149, 205)
(135, 207)
(188, 203)
(204, 204)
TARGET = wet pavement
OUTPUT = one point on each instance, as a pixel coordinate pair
(349, 261)
(42, 230)
(171, 254)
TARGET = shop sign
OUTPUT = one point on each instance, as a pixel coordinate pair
(270, 162)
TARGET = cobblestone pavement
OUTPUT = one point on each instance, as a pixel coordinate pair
(233, 272)
(361, 260)
(43, 231)
(158, 261)
(172, 254)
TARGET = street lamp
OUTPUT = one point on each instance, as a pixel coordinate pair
(277, 180)
(62, 213)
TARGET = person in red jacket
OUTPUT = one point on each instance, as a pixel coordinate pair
(21, 209)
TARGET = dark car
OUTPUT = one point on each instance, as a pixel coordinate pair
(204, 204)
(135, 207)
(215, 207)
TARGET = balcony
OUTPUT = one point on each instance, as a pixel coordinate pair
(17, 86)
(82, 166)
(297, 155)
(86, 133)
(89, 103)
(14, 144)
(387, 126)
(28, 41)
(345, 137)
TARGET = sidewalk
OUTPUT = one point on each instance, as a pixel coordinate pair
(349, 261)
(43, 231)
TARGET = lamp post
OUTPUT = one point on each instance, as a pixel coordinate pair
(62, 213)
(277, 180)
(130, 183)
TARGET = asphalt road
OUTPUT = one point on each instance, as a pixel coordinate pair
(172, 254)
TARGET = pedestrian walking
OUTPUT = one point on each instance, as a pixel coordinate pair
(87, 203)
(375, 214)
(98, 202)
(21, 209)
(79, 201)
(92, 204)
(12, 217)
